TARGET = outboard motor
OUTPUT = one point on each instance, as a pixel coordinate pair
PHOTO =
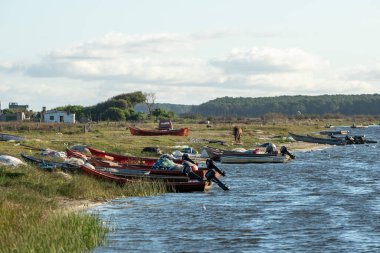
(186, 157)
(211, 165)
(284, 151)
(210, 175)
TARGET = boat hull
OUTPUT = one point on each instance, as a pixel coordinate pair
(188, 186)
(311, 139)
(254, 158)
(154, 132)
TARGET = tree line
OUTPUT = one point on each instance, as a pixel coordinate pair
(365, 104)
(118, 108)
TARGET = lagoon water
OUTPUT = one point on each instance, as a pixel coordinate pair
(323, 201)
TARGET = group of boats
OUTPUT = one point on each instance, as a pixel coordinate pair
(123, 169)
(333, 138)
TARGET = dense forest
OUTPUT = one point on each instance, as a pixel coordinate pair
(291, 105)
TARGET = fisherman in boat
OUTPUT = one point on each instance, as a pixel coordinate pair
(349, 139)
(271, 149)
(166, 162)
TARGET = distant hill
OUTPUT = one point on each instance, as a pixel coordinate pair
(177, 108)
(365, 104)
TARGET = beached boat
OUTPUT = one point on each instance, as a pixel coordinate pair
(312, 139)
(188, 186)
(9, 137)
(137, 167)
(50, 165)
(125, 159)
(157, 132)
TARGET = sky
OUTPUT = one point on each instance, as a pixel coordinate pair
(82, 52)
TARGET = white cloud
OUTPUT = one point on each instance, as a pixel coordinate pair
(267, 60)
(363, 73)
(93, 71)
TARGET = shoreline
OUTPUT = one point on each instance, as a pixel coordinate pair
(68, 205)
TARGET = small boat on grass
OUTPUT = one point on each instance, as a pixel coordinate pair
(126, 159)
(9, 137)
(50, 165)
(158, 132)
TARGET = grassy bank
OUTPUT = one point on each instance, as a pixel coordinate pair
(33, 218)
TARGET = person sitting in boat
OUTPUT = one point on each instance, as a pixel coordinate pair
(271, 149)
(165, 162)
(349, 139)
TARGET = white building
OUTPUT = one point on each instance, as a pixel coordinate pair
(58, 116)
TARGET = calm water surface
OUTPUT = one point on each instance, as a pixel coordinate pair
(323, 201)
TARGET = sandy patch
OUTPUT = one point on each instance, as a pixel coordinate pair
(73, 205)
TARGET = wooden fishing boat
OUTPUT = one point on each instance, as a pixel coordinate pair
(147, 175)
(188, 186)
(312, 139)
(126, 159)
(9, 137)
(156, 132)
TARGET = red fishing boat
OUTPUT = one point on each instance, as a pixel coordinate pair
(110, 164)
(187, 186)
(156, 132)
(125, 159)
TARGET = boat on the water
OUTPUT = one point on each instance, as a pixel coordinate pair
(230, 156)
(359, 126)
(312, 139)
(158, 132)
(254, 158)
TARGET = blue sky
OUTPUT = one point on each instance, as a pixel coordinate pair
(55, 53)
